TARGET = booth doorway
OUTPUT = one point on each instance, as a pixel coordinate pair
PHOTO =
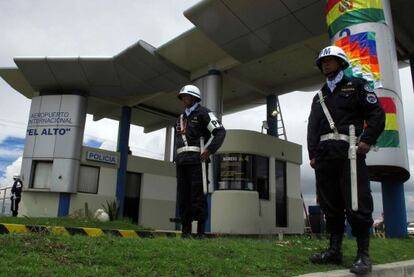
(132, 195)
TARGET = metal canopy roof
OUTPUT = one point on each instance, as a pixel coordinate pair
(251, 29)
(262, 47)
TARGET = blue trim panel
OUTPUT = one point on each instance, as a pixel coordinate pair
(208, 222)
(395, 214)
(122, 148)
(64, 203)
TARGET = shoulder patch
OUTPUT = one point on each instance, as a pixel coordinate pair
(214, 122)
(368, 88)
(371, 98)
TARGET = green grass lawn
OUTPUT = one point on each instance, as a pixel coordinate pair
(52, 255)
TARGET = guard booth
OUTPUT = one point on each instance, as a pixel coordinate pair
(257, 185)
(256, 188)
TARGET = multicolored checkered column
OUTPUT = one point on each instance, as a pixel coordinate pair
(362, 28)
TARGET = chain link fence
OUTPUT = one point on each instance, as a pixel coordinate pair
(5, 203)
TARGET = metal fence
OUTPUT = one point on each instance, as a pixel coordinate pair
(5, 202)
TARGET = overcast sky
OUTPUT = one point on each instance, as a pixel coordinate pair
(104, 28)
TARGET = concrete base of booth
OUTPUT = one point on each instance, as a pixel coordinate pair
(235, 212)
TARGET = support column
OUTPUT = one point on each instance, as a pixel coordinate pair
(211, 86)
(395, 215)
(212, 92)
(167, 150)
(122, 148)
(372, 38)
(412, 69)
(271, 111)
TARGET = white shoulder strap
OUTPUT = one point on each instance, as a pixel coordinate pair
(326, 112)
(182, 127)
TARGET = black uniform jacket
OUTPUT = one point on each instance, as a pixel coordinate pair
(17, 188)
(201, 123)
(351, 102)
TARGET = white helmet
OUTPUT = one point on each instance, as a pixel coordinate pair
(191, 90)
(16, 177)
(334, 51)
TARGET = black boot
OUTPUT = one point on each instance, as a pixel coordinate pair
(186, 230)
(362, 264)
(333, 255)
(201, 229)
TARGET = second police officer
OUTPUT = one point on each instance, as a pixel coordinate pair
(343, 101)
(195, 124)
(16, 195)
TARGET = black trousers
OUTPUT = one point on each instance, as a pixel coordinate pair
(192, 203)
(15, 205)
(333, 187)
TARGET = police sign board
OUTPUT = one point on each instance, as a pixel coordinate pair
(101, 157)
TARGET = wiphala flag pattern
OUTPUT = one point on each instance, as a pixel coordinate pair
(362, 51)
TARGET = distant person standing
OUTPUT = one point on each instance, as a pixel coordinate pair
(343, 106)
(16, 194)
(195, 126)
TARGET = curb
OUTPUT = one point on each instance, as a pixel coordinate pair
(11, 228)
(7, 228)
(397, 269)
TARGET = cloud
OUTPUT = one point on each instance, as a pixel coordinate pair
(11, 170)
(14, 112)
(7, 153)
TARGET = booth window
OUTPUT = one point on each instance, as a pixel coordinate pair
(42, 174)
(281, 194)
(261, 176)
(88, 179)
(236, 171)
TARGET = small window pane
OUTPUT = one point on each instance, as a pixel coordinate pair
(237, 171)
(42, 175)
(281, 194)
(88, 179)
(234, 171)
(262, 176)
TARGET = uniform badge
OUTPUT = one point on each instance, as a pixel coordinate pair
(371, 98)
(368, 88)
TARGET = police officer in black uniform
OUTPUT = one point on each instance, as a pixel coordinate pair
(195, 124)
(348, 101)
(16, 195)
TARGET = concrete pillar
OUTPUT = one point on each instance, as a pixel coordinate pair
(412, 68)
(167, 150)
(271, 111)
(212, 92)
(211, 87)
(54, 135)
(122, 148)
